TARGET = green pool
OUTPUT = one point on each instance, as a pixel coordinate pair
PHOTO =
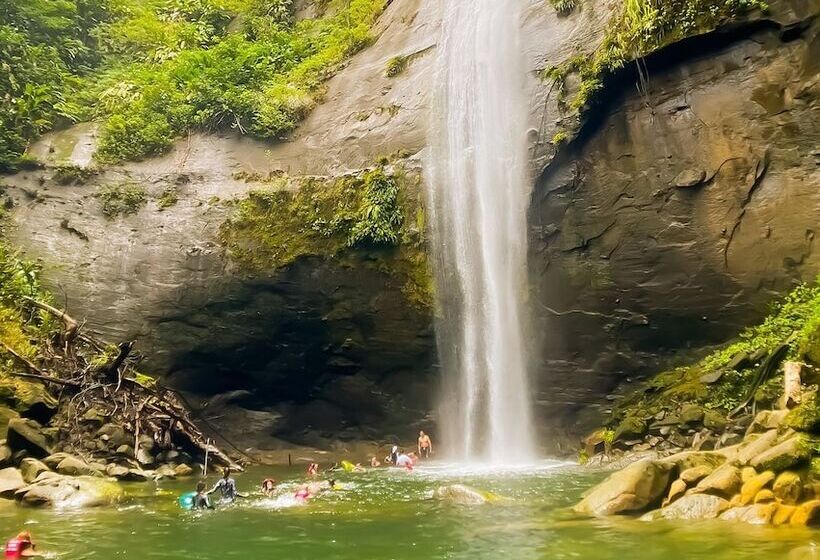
(388, 514)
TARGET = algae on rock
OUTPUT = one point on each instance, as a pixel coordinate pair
(374, 216)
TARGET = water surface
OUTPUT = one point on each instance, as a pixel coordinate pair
(388, 514)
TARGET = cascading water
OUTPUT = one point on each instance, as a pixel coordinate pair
(478, 195)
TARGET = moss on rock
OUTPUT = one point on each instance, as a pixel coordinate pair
(373, 218)
(641, 28)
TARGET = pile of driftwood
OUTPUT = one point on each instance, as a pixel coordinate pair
(94, 380)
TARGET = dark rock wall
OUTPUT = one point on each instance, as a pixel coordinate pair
(679, 213)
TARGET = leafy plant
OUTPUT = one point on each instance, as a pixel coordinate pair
(72, 174)
(396, 66)
(121, 199)
(563, 7)
(168, 198)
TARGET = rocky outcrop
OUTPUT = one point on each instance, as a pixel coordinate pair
(746, 486)
(462, 495)
(679, 212)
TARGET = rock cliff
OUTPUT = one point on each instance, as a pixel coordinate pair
(670, 221)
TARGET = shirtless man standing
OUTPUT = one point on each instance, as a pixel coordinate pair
(425, 445)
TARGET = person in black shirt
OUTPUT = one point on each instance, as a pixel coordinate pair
(201, 500)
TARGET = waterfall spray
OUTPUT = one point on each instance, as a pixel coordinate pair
(478, 195)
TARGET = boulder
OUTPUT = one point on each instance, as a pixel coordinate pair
(70, 492)
(783, 455)
(6, 414)
(11, 480)
(806, 514)
(183, 470)
(165, 471)
(676, 490)
(125, 451)
(74, 466)
(116, 471)
(755, 445)
(55, 459)
(788, 487)
(767, 420)
(636, 487)
(691, 414)
(459, 494)
(144, 457)
(31, 468)
(783, 514)
(758, 514)
(137, 475)
(765, 496)
(694, 506)
(117, 436)
(747, 473)
(754, 485)
(690, 459)
(5, 455)
(630, 427)
(30, 436)
(724, 481)
(694, 475)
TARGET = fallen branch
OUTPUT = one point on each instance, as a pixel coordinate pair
(71, 326)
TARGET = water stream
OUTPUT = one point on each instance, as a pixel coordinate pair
(478, 197)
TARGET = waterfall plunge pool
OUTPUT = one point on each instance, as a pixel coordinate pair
(389, 514)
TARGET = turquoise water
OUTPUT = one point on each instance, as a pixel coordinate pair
(388, 514)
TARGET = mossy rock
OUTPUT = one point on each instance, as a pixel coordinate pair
(806, 416)
(630, 427)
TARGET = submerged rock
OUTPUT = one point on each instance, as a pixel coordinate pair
(636, 487)
(695, 506)
(69, 492)
(461, 495)
(758, 514)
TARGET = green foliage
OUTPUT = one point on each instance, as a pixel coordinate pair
(190, 71)
(396, 66)
(168, 198)
(310, 216)
(642, 27)
(794, 321)
(563, 7)
(72, 174)
(121, 199)
(560, 138)
(45, 48)
(379, 217)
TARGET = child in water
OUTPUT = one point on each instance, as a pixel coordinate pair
(21, 546)
(268, 486)
(201, 500)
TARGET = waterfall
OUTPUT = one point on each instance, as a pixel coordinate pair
(478, 195)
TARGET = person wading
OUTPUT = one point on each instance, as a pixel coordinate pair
(227, 486)
(425, 445)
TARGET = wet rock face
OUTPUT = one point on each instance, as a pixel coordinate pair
(679, 214)
(336, 348)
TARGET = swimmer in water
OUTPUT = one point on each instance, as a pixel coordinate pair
(303, 493)
(313, 469)
(227, 486)
(375, 462)
(268, 485)
(21, 546)
(405, 461)
(201, 500)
